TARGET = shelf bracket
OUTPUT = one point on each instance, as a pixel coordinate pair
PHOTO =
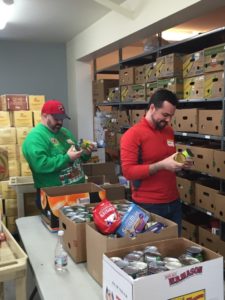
(117, 8)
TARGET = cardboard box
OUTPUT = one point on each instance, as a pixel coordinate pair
(36, 117)
(30, 207)
(209, 240)
(25, 169)
(219, 163)
(52, 198)
(219, 206)
(126, 76)
(194, 87)
(150, 72)
(139, 74)
(21, 134)
(7, 136)
(137, 92)
(122, 119)
(214, 85)
(4, 165)
(210, 122)
(186, 189)
(100, 89)
(22, 118)
(201, 281)
(193, 64)
(7, 191)
(12, 150)
(107, 169)
(36, 102)
(10, 207)
(151, 88)
(186, 120)
(203, 159)
(214, 58)
(114, 191)
(169, 65)
(114, 94)
(104, 244)
(13, 102)
(137, 115)
(205, 197)
(174, 84)
(189, 231)
(14, 167)
(5, 119)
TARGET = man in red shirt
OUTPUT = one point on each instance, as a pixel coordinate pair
(147, 158)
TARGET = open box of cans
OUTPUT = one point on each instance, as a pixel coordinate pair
(172, 269)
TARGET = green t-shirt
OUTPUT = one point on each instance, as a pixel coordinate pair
(46, 154)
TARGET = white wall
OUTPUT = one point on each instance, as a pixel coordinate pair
(113, 31)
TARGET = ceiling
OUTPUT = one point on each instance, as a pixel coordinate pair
(61, 20)
(51, 20)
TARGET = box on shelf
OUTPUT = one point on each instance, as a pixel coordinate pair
(150, 72)
(214, 85)
(205, 197)
(100, 89)
(186, 189)
(104, 243)
(126, 76)
(137, 92)
(174, 84)
(136, 115)
(114, 94)
(219, 163)
(207, 239)
(151, 88)
(194, 87)
(186, 120)
(187, 282)
(189, 231)
(36, 117)
(219, 206)
(203, 159)
(214, 58)
(52, 198)
(13, 102)
(169, 65)
(21, 133)
(107, 169)
(193, 64)
(139, 76)
(210, 122)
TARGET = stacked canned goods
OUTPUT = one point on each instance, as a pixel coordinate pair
(150, 261)
(78, 213)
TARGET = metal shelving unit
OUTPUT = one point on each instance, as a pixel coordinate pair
(190, 45)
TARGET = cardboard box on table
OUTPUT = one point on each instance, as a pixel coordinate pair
(97, 243)
(75, 234)
(200, 281)
(52, 198)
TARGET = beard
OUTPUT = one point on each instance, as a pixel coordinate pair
(54, 128)
(159, 125)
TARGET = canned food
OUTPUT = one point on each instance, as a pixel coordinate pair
(115, 258)
(133, 257)
(173, 265)
(141, 266)
(122, 263)
(188, 260)
(170, 259)
(196, 252)
(181, 157)
(131, 271)
(149, 257)
(155, 269)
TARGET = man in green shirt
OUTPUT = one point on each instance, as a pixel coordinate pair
(51, 150)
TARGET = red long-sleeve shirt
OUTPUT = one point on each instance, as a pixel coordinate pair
(155, 145)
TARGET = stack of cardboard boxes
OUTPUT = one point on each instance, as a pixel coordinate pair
(18, 114)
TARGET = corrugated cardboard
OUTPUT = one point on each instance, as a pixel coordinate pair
(201, 281)
(219, 206)
(104, 244)
(186, 120)
(205, 197)
(189, 231)
(52, 198)
(210, 122)
(186, 189)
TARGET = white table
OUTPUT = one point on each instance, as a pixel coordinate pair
(39, 244)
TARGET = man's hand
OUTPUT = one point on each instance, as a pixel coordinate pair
(73, 153)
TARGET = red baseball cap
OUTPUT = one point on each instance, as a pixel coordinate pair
(55, 108)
